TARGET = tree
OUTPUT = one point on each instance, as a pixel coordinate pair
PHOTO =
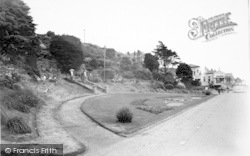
(67, 55)
(50, 34)
(73, 40)
(125, 63)
(110, 53)
(17, 30)
(151, 62)
(167, 56)
(184, 72)
(238, 80)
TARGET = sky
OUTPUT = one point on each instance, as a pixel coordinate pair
(133, 25)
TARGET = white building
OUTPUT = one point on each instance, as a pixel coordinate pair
(216, 78)
(196, 72)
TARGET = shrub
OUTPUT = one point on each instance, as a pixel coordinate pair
(128, 75)
(16, 77)
(169, 79)
(169, 86)
(27, 98)
(7, 82)
(95, 79)
(143, 74)
(124, 115)
(158, 76)
(13, 104)
(157, 85)
(17, 125)
(195, 82)
(139, 102)
(21, 100)
(109, 73)
(154, 109)
(125, 63)
(207, 92)
(4, 116)
(180, 85)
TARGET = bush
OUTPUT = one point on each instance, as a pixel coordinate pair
(195, 82)
(207, 92)
(4, 116)
(143, 74)
(10, 82)
(169, 79)
(169, 86)
(157, 85)
(109, 73)
(16, 125)
(27, 98)
(158, 76)
(139, 102)
(154, 109)
(13, 104)
(124, 115)
(180, 85)
(128, 75)
(95, 79)
(16, 77)
(21, 100)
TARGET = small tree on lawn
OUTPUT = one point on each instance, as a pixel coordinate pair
(184, 72)
(151, 62)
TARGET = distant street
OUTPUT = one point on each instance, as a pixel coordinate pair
(219, 127)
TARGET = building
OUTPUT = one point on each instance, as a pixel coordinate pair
(207, 77)
(196, 72)
(216, 78)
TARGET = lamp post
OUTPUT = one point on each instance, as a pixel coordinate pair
(104, 64)
(84, 36)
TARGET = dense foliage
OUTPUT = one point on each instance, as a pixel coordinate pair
(125, 63)
(151, 62)
(68, 55)
(17, 31)
(184, 72)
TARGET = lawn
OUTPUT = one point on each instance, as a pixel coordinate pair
(147, 108)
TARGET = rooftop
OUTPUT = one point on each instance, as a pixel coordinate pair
(193, 66)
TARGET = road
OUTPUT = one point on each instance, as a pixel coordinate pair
(218, 127)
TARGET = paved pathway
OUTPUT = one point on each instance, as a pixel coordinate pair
(83, 129)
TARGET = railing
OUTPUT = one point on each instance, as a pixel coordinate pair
(88, 85)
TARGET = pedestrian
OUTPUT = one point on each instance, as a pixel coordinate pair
(227, 89)
(219, 90)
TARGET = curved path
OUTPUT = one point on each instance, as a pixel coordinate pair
(82, 128)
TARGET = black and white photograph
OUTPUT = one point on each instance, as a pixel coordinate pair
(125, 77)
